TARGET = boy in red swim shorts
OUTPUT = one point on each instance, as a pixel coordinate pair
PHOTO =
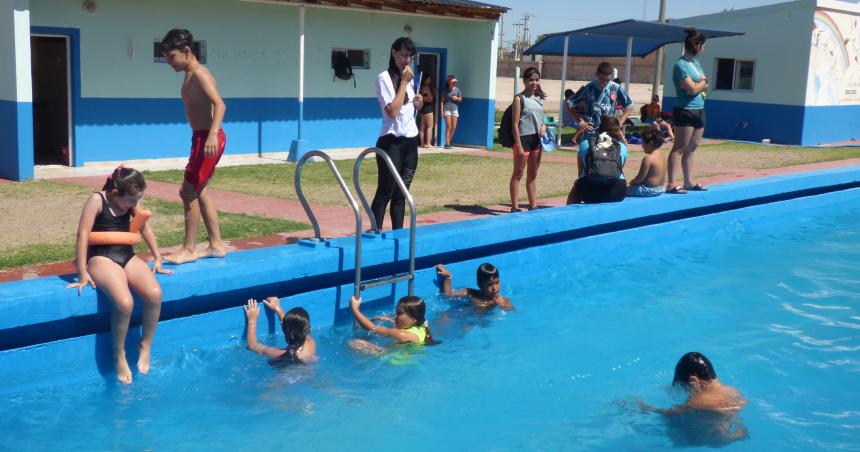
(205, 111)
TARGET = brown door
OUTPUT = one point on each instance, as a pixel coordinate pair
(50, 75)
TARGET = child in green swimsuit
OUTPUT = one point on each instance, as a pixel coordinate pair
(410, 327)
(485, 296)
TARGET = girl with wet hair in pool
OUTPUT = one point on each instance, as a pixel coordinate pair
(708, 416)
(410, 325)
(296, 325)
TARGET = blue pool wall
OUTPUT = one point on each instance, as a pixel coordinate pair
(47, 330)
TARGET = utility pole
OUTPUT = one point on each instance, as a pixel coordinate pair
(658, 64)
(527, 37)
(517, 42)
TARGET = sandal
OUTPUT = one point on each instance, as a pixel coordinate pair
(697, 187)
(677, 190)
(516, 209)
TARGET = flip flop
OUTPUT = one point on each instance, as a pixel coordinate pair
(697, 187)
(677, 190)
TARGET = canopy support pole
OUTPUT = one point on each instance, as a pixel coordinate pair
(563, 80)
(628, 62)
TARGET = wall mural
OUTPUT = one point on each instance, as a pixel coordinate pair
(834, 63)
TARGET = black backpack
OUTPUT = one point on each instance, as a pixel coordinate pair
(506, 128)
(342, 67)
(603, 166)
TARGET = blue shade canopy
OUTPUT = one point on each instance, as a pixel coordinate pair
(611, 39)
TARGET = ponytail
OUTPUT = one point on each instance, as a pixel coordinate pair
(126, 182)
(694, 39)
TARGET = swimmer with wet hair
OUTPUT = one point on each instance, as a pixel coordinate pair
(695, 374)
(708, 416)
(486, 295)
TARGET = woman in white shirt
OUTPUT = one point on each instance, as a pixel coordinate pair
(399, 135)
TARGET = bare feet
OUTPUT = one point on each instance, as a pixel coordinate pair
(123, 373)
(212, 251)
(182, 256)
(143, 360)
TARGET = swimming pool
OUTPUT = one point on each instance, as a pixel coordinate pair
(769, 293)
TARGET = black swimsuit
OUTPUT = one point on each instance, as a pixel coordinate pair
(107, 222)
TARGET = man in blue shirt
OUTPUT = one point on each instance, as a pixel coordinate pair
(600, 97)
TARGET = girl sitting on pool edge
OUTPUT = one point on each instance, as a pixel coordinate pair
(410, 326)
(296, 324)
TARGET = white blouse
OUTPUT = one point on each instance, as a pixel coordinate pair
(404, 124)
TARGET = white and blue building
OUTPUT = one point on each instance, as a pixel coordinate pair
(793, 77)
(83, 82)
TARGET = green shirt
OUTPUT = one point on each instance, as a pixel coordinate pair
(688, 68)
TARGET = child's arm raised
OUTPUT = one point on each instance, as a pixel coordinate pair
(252, 311)
(207, 83)
(274, 303)
(149, 237)
(85, 226)
(445, 275)
(400, 335)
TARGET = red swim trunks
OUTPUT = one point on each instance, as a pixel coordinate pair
(200, 167)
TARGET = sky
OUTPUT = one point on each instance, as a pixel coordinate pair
(551, 16)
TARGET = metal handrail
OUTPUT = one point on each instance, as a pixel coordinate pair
(355, 209)
(413, 218)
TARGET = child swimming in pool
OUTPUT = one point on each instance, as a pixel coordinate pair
(487, 294)
(296, 324)
(115, 269)
(410, 327)
(707, 417)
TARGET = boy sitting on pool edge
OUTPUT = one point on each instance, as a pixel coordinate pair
(486, 296)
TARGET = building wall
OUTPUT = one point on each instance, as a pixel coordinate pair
(777, 39)
(129, 107)
(833, 85)
(16, 100)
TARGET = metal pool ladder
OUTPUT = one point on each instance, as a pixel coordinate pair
(352, 204)
(413, 218)
(359, 284)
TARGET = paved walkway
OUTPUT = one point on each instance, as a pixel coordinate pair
(339, 221)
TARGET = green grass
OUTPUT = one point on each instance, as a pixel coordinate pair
(36, 253)
(756, 156)
(169, 226)
(442, 181)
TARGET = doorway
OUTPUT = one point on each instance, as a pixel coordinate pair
(428, 65)
(51, 100)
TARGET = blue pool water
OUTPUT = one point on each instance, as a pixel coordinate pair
(774, 301)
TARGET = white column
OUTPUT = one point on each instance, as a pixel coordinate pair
(628, 63)
(301, 68)
(16, 91)
(299, 146)
(563, 80)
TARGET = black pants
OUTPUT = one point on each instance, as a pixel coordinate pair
(403, 152)
(588, 192)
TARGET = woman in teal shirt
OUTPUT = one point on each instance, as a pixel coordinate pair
(688, 116)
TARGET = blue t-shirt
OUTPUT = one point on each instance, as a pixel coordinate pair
(585, 145)
(687, 68)
(601, 101)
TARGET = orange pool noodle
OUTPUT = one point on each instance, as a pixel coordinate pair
(122, 238)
